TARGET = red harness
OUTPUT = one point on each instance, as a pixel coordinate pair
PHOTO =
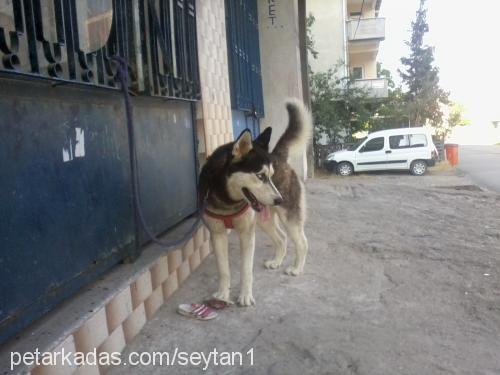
(228, 219)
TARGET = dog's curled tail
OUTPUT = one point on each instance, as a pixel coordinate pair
(298, 133)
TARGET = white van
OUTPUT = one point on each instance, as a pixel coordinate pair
(404, 149)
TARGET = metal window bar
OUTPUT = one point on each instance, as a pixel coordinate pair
(28, 50)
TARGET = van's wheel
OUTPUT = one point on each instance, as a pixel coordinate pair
(418, 168)
(345, 169)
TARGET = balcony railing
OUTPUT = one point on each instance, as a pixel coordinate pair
(375, 88)
(367, 29)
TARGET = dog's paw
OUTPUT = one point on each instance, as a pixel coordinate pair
(246, 299)
(223, 296)
(272, 264)
(293, 271)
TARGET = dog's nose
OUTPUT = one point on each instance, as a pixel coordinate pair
(278, 201)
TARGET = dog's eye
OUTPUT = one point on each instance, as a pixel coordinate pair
(262, 176)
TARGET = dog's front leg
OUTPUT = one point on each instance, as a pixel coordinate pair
(220, 246)
(247, 245)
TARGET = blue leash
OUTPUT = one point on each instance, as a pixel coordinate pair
(122, 74)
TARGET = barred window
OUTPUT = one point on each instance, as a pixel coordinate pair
(74, 40)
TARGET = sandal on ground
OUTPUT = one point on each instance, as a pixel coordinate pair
(217, 304)
(198, 311)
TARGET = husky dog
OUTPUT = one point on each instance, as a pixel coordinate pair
(244, 174)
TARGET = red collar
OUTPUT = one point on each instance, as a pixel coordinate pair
(228, 219)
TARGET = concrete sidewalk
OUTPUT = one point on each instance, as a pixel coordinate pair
(402, 278)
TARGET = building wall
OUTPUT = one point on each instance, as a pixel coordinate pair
(214, 116)
(329, 33)
(281, 69)
(330, 36)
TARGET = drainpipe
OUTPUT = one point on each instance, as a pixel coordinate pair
(306, 95)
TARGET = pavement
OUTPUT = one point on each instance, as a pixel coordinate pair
(402, 277)
(481, 164)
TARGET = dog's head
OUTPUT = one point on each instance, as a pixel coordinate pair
(251, 170)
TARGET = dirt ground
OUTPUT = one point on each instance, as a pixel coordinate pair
(402, 277)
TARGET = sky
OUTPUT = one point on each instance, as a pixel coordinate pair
(466, 38)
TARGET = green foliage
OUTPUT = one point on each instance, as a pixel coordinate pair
(389, 112)
(385, 73)
(309, 37)
(424, 98)
(455, 118)
(338, 107)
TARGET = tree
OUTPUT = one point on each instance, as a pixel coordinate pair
(389, 112)
(339, 108)
(309, 37)
(424, 97)
(385, 73)
(454, 118)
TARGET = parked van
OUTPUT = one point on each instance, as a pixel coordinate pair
(404, 149)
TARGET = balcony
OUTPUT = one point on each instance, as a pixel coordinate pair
(375, 88)
(368, 29)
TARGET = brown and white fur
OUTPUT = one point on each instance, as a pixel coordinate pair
(245, 171)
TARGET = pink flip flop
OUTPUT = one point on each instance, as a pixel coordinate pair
(198, 311)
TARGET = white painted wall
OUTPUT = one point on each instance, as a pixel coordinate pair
(329, 34)
(281, 68)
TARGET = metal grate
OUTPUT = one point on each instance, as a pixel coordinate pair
(157, 37)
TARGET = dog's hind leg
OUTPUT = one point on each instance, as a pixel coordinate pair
(220, 246)
(296, 232)
(295, 228)
(272, 228)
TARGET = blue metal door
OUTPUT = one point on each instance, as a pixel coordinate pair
(241, 122)
(244, 65)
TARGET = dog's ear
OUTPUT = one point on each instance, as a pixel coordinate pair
(263, 139)
(242, 145)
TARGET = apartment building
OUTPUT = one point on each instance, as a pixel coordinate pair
(349, 32)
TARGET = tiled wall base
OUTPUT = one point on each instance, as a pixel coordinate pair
(214, 73)
(117, 323)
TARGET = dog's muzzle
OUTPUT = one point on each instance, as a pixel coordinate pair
(254, 202)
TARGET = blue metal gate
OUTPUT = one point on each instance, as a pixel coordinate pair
(244, 65)
(65, 188)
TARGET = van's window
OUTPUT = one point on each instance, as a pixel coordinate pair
(374, 144)
(355, 146)
(399, 141)
(418, 140)
(407, 141)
